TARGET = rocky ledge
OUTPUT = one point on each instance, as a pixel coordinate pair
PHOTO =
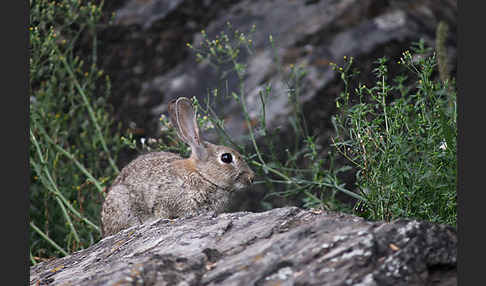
(284, 246)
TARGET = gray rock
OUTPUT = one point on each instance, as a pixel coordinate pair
(286, 246)
(144, 13)
(309, 33)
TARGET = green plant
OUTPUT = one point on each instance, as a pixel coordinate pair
(401, 137)
(73, 140)
(301, 171)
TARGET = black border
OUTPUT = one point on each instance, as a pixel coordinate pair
(470, 77)
(14, 117)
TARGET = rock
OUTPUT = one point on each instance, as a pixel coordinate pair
(158, 66)
(144, 13)
(285, 246)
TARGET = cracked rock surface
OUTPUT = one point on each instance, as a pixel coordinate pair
(284, 246)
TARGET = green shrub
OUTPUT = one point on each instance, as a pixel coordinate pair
(402, 139)
(399, 135)
(73, 140)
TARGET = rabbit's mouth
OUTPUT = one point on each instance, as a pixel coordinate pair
(240, 186)
(243, 181)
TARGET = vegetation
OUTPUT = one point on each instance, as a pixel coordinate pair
(398, 135)
(402, 140)
(70, 129)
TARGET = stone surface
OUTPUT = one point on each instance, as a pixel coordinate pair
(145, 49)
(285, 246)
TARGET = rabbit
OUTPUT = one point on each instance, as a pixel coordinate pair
(165, 185)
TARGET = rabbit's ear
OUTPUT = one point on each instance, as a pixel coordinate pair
(183, 118)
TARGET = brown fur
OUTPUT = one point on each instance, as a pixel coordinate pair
(164, 185)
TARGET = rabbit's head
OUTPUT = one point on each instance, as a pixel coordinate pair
(219, 165)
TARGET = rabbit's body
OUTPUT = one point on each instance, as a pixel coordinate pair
(165, 185)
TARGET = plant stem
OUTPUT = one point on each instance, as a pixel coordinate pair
(71, 157)
(384, 103)
(272, 170)
(52, 184)
(52, 187)
(89, 108)
(48, 239)
(248, 123)
(32, 260)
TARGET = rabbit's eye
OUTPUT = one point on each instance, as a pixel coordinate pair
(226, 158)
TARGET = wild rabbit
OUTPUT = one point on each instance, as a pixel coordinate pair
(165, 185)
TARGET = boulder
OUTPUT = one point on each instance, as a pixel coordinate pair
(145, 52)
(284, 246)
